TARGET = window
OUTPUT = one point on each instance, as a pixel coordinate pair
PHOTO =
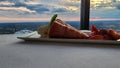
(105, 14)
(27, 15)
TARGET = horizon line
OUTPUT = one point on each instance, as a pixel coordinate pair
(5, 19)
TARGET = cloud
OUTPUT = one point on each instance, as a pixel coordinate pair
(117, 5)
(32, 3)
(108, 5)
(46, 8)
(20, 9)
(6, 3)
(34, 6)
(70, 2)
(28, 6)
(105, 13)
(59, 10)
(38, 8)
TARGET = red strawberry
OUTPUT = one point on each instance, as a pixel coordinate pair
(94, 29)
(107, 37)
(97, 37)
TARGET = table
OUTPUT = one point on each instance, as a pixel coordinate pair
(16, 53)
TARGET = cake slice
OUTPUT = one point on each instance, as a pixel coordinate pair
(60, 29)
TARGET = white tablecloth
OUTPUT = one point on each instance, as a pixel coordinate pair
(15, 53)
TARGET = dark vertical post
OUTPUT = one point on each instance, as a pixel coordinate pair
(85, 9)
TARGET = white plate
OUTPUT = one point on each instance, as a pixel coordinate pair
(36, 37)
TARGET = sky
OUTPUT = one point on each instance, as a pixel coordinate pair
(42, 10)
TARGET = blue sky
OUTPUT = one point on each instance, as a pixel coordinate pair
(39, 8)
(44, 9)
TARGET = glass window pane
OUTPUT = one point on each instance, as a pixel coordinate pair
(16, 15)
(105, 14)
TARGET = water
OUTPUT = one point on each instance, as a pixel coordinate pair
(27, 27)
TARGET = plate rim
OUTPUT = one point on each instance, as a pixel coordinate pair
(28, 37)
(84, 41)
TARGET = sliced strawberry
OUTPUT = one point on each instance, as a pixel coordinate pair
(97, 37)
(117, 36)
(103, 31)
(94, 29)
(107, 37)
(112, 33)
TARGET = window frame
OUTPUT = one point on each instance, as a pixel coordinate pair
(85, 11)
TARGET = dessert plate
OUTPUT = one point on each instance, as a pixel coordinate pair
(34, 36)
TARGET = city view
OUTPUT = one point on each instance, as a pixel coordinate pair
(18, 15)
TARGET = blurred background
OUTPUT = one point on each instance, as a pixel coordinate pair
(25, 16)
